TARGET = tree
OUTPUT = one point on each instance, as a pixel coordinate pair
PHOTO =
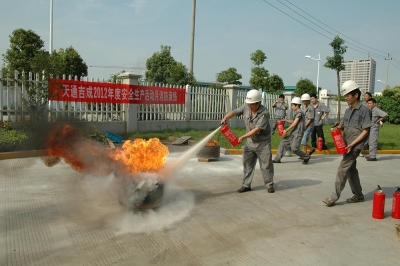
(68, 62)
(275, 83)
(229, 76)
(305, 86)
(259, 75)
(393, 93)
(26, 54)
(115, 78)
(24, 46)
(163, 68)
(335, 62)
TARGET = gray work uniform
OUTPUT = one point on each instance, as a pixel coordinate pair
(309, 115)
(374, 131)
(354, 122)
(293, 140)
(280, 112)
(258, 146)
(319, 111)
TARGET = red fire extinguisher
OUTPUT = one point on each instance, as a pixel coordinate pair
(320, 144)
(396, 204)
(378, 204)
(338, 140)
(229, 135)
(280, 127)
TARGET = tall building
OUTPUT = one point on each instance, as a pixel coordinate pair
(362, 72)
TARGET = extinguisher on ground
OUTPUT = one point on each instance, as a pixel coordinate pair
(338, 140)
(320, 144)
(280, 127)
(378, 204)
(396, 204)
(229, 135)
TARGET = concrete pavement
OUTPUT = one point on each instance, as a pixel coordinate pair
(57, 216)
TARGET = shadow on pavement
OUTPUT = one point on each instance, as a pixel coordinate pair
(295, 183)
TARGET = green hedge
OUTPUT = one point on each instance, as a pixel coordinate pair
(391, 107)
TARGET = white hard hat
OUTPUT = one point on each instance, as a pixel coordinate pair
(349, 86)
(253, 96)
(305, 97)
(296, 100)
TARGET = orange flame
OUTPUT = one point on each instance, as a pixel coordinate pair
(143, 156)
(88, 156)
(82, 154)
(212, 143)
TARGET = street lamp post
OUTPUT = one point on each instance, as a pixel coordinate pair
(384, 82)
(316, 59)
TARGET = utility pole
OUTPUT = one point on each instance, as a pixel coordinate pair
(51, 27)
(192, 36)
(387, 70)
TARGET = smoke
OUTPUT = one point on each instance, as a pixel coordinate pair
(176, 206)
(108, 182)
(105, 192)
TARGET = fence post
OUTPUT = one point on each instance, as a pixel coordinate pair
(188, 103)
(130, 110)
(232, 91)
(288, 98)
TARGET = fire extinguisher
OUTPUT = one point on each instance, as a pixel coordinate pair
(320, 144)
(338, 140)
(396, 204)
(280, 127)
(229, 135)
(378, 204)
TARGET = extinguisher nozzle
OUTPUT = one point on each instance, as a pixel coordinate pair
(379, 187)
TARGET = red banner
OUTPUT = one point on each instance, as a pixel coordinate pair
(100, 92)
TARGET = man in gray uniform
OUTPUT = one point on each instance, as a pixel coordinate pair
(309, 122)
(321, 111)
(377, 117)
(280, 111)
(356, 124)
(296, 129)
(258, 144)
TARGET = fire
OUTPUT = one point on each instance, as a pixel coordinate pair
(212, 143)
(143, 156)
(82, 154)
(85, 155)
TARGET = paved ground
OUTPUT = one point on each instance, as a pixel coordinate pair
(57, 216)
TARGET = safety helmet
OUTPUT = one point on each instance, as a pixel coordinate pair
(296, 100)
(253, 96)
(349, 86)
(305, 97)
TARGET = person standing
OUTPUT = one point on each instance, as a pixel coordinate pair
(321, 112)
(356, 124)
(258, 143)
(367, 96)
(293, 139)
(280, 111)
(309, 123)
(377, 117)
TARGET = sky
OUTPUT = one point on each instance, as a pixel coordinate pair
(127, 32)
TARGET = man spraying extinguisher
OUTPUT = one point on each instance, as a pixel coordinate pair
(258, 143)
(356, 124)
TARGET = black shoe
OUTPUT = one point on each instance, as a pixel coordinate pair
(306, 160)
(271, 190)
(371, 159)
(276, 161)
(311, 152)
(355, 199)
(244, 189)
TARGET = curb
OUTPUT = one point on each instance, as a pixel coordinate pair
(22, 154)
(324, 152)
